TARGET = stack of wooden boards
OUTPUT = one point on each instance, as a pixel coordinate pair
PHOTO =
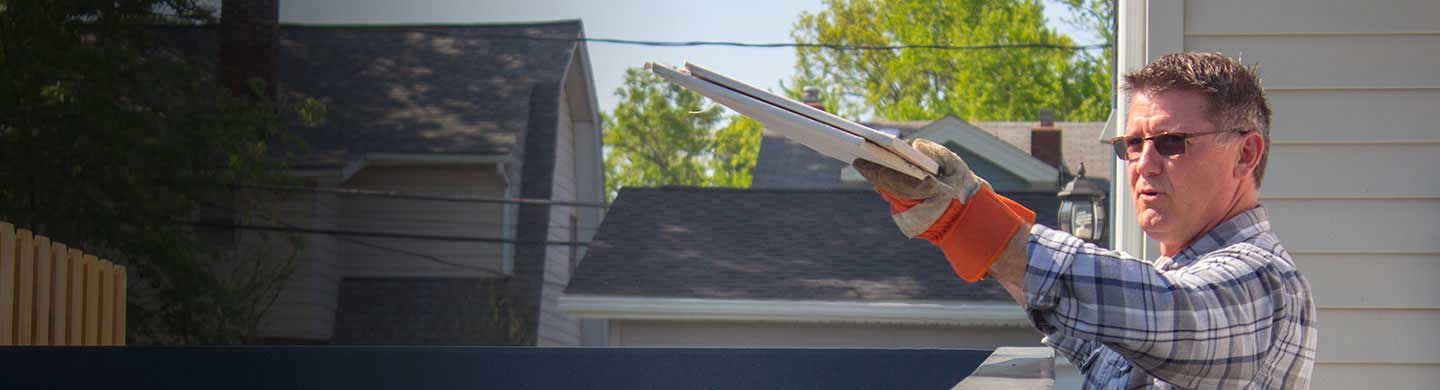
(828, 134)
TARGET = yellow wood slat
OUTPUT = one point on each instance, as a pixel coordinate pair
(25, 282)
(91, 334)
(120, 300)
(107, 305)
(59, 307)
(43, 285)
(7, 284)
(76, 303)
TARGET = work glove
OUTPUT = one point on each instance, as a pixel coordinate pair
(955, 210)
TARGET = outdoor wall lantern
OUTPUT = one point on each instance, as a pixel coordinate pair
(1082, 208)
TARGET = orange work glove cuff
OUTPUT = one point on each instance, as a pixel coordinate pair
(972, 235)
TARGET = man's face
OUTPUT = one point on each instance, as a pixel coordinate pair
(1179, 197)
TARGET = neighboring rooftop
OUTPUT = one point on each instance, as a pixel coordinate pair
(435, 89)
(827, 245)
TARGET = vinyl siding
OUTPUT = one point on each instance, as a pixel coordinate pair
(556, 328)
(305, 307)
(425, 217)
(1354, 88)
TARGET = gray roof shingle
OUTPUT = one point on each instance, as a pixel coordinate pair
(432, 89)
(828, 245)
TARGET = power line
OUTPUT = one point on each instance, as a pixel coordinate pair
(408, 236)
(422, 256)
(773, 45)
(432, 258)
(425, 196)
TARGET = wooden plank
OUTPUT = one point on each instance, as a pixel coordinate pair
(7, 284)
(823, 138)
(76, 303)
(59, 304)
(43, 286)
(25, 282)
(106, 302)
(120, 302)
(92, 302)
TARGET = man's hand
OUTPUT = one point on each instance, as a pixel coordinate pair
(956, 210)
(955, 181)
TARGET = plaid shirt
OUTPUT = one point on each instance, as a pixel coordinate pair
(1228, 311)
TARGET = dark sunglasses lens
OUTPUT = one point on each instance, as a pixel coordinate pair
(1120, 146)
(1169, 144)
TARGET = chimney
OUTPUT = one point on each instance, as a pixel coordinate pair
(1045, 139)
(249, 35)
(812, 98)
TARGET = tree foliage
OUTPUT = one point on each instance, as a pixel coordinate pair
(922, 84)
(662, 134)
(110, 143)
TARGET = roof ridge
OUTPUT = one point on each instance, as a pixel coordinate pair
(379, 25)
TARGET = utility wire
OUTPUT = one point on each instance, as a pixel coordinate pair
(408, 236)
(409, 253)
(776, 44)
(424, 196)
(419, 255)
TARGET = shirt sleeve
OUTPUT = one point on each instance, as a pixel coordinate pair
(1209, 319)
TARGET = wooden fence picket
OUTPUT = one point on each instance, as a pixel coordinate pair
(60, 304)
(92, 301)
(7, 283)
(107, 305)
(76, 318)
(41, 331)
(53, 294)
(120, 301)
(25, 280)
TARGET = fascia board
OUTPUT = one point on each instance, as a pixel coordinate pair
(693, 309)
(435, 159)
(997, 151)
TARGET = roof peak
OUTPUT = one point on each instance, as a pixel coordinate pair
(381, 25)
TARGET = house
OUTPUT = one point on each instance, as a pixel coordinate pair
(1349, 188)
(808, 256)
(484, 111)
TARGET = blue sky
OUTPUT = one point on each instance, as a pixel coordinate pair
(731, 20)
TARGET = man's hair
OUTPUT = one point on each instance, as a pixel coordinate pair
(1232, 90)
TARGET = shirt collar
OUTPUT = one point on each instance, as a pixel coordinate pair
(1237, 229)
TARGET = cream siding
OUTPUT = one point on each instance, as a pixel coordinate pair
(469, 219)
(305, 306)
(556, 328)
(1354, 87)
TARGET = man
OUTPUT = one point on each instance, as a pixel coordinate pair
(1223, 307)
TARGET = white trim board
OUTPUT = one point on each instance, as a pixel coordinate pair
(693, 309)
(1038, 174)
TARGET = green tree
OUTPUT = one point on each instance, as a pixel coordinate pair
(918, 84)
(663, 134)
(113, 144)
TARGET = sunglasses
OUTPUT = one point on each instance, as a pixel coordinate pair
(1130, 148)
